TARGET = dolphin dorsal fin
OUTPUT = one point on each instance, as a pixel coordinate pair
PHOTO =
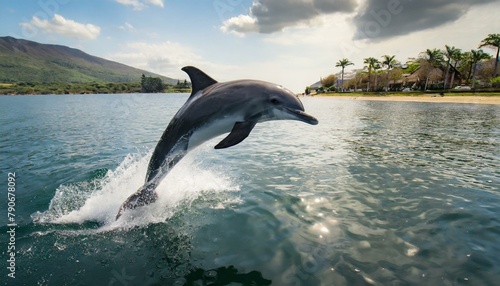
(199, 79)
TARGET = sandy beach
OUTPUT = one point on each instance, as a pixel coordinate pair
(424, 98)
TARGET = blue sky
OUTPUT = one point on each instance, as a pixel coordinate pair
(289, 42)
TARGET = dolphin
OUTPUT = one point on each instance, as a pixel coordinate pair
(215, 108)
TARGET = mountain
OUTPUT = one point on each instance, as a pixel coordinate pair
(27, 61)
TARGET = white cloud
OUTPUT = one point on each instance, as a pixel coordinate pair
(269, 16)
(59, 25)
(240, 25)
(158, 3)
(373, 19)
(127, 27)
(141, 4)
(136, 4)
(165, 58)
(381, 19)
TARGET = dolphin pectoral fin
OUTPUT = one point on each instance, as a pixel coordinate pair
(144, 196)
(240, 131)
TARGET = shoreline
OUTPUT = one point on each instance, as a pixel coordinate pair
(470, 99)
(467, 99)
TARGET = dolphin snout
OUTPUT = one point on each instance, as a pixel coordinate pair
(302, 116)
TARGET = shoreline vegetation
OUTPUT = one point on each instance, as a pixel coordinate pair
(130, 88)
(452, 97)
(84, 88)
(435, 75)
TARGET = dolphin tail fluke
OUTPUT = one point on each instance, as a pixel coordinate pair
(144, 196)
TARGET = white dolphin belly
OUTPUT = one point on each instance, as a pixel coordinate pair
(212, 130)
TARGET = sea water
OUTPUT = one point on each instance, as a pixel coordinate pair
(379, 193)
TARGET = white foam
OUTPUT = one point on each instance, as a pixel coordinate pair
(100, 199)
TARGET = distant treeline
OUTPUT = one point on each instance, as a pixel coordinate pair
(68, 88)
(146, 85)
(155, 84)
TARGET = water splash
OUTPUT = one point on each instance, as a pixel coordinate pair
(99, 199)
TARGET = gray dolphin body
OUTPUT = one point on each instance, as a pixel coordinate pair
(213, 109)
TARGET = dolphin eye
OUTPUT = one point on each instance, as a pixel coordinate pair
(275, 101)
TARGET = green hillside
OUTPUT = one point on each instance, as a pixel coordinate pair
(27, 61)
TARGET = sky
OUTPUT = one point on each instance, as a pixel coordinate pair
(289, 42)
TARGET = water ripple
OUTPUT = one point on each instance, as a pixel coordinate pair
(379, 193)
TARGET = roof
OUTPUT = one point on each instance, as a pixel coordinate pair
(316, 85)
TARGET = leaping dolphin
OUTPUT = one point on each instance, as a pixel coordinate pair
(212, 109)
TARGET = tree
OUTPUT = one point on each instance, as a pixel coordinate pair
(396, 74)
(151, 84)
(143, 80)
(328, 81)
(357, 80)
(456, 56)
(375, 69)
(450, 54)
(476, 57)
(434, 58)
(495, 82)
(466, 66)
(343, 63)
(492, 41)
(388, 62)
(413, 65)
(371, 63)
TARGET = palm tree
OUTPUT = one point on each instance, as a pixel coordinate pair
(375, 69)
(492, 41)
(450, 54)
(343, 63)
(466, 66)
(457, 56)
(388, 62)
(477, 56)
(358, 78)
(371, 63)
(433, 57)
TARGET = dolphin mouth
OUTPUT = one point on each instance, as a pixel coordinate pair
(302, 116)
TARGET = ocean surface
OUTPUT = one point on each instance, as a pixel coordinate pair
(378, 193)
